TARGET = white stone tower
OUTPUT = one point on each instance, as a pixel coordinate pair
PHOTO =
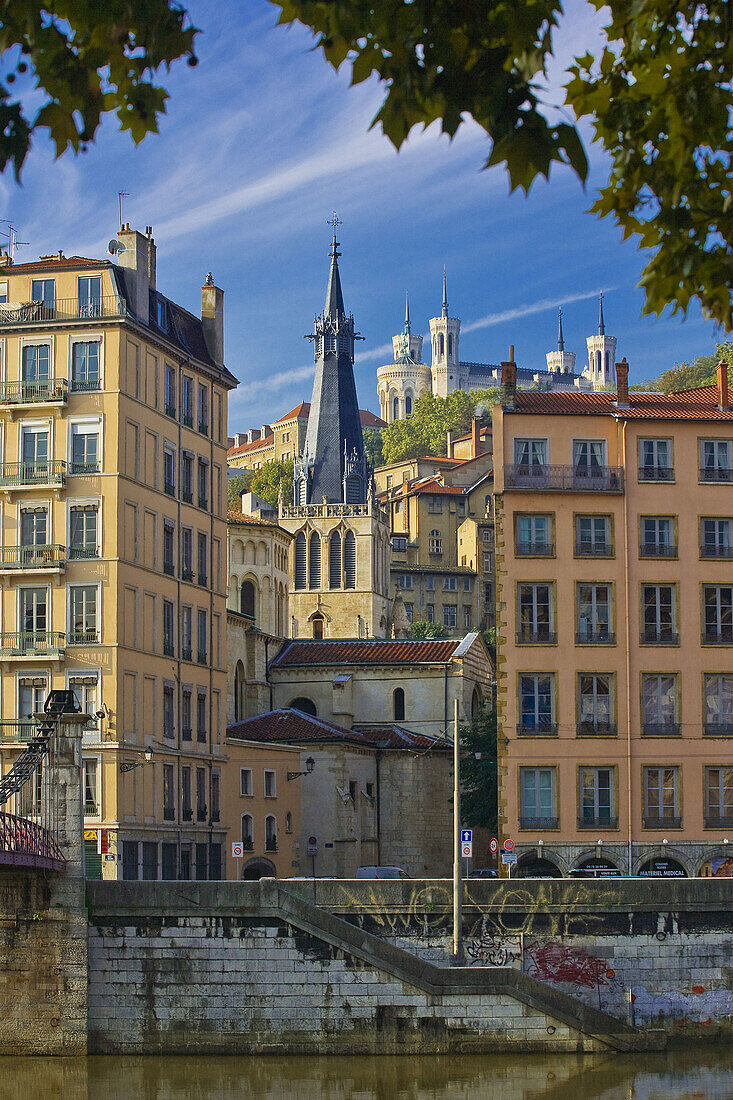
(601, 354)
(561, 361)
(444, 334)
(402, 382)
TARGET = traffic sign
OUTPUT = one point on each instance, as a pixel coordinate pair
(467, 849)
(508, 845)
(508, 858)
(493, 845)
(237, 849)
(312, 846)
(466, 836)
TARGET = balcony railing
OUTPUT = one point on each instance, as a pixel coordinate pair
(537, 636)
(602, 821)
(14, 474)
(40, 556)
(271, 844)
(85, 385)
(83, 469)
(34, 393)
(593, 549)
(721, 636)
(201, 813)
(718, 821)
(598, 636)
(535, 549)
(202, 579)
(186, 733)
(248, 844)
(714, 474)
(596, 729)
(63, 309)
(169, 569)
(186, 496)
(657, 550)
(718, 729)
(83, 637)
(170, 410)
(20, 729)
(537, 729)
(83, 553)
(186, 653)
(187, 813)
(187, 420)
(169, 813)
(667, 821)
(653, 635)
(91, 809)
(203, 502)
(31, 643)
(186, 573)
(201, 736)
(169, 489)
(169, 650)
(656, 473)
(661, 729)
(538, 822)
(203, 426)
(601, 479)
(709, 551)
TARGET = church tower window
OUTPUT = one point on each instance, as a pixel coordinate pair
(398, 705)
(396, 408)
(350, 560)
(334, 561)
(314, 561)
(441, 345)
(300, 560)
(408, 404)
(247, 599)
(450, 344)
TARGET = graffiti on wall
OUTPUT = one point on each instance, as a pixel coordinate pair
(554, 962)
(494, 949)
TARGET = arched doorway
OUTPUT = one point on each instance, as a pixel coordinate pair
(258, 868)
(247, 599)
(660, 867)
(318, 625)
(532, 866)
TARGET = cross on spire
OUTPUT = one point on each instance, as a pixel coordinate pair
(334, 221)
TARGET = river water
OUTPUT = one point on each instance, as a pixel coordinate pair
(698, 1074)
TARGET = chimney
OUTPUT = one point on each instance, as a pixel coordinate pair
(212, 318)
(138, 258)
(508, 387)
(449, 444)
(722, 373)
(622, 384)
(475, 437)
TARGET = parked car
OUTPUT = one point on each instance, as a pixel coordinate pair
(483, 872)
(381, 872)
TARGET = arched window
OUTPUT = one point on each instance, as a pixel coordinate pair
(398, 705)
(288, 822)
(314, 561)
(598, 361)
(247, 600)
(475, 703)
(395, 408)
(270, 833)
(239, 692)
(304, 705)
(441, 346)
(450, 343)
(300, 560)
(608, 362)
(408, 404)
(318, 628)
(349, 560)
(334, 561)
(248, 833)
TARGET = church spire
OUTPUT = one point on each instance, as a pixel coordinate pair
(601, 324)
(334, 295)
(445, 296)
(560, 340)
(407, 313)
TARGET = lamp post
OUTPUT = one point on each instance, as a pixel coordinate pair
(130, 765)
(309, 766)
(457, 885)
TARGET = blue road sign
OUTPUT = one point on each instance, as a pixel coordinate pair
(466, 836)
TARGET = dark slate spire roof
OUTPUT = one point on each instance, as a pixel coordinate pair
(601, 323)
(334, 448)
(407, 313)
(560, 340)
(445, 296)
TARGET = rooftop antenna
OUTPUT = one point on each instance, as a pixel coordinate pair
(120, 196)
(13, 241)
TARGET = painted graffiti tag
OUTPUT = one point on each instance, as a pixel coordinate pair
(494, 949)
(554, 962)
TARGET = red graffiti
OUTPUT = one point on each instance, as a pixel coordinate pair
(553, 962)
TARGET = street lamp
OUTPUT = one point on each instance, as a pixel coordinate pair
(309, 766)
(130, 765)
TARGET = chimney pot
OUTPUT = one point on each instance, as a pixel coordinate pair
(622, 384)
(508, 388)
(148, 230)
(722, 377)
(212, 319)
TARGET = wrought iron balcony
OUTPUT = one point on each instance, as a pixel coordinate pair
(203, 426)
(596, 729)
(186, 496)
(186, 653)
(201, 736)
(721, 636)
(598, 636)
(202, 579)
(91, 809)
(169, 650)
(83, 553)
(63, 309)
(85, 385)
(37, 556)
(665, 821)
(20, 474)
(711, 473)
(600, 479)
(718, 821)
(661, 729)
(169, 488)
(593, 549)
(187, 420)
(186, 733)
(186, 573)
(248, 844)
(718, 729)
(170, 410)
(30, 643)
(527, 548)
(601, 821)
(657, 550)
(201, 813)
(169, 569)
(83, 469)
(653, 635)
(539, 728)
(169, 813)
(84, 637)
(187, 814)
(538, 822)
(536, 636)
(49, 390)
(271, 844)
(203, 502)
(656, 473)
(710, 551)
(21, 729)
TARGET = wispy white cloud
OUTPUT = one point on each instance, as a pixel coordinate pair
(527, 310)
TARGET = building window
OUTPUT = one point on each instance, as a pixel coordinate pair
(718, 614)
(430, 583)
(537, 798)
(44, 290)
(450, 615)
(91, 795)
(86, 692)
(450, 584)
(130, 860)
(657, 537)
(659, 704)
(201, 717)
(300, 561)
(466, 618)
(597, 798)
(186, 633)
(168, 711)
(186, 802)
(589, 457)
(202, 556)
(407, 582)
(83, 527)
(334, 560)
(187, 479)
(661, 805)
(169, 793)
(186, 401)
(33, 529)
(85, 366)
(170, 392)
(270, 788)
(430, 612)
(186, 554)
(537, 704)
(467, 581)
(314, 561)
(718, 797)
(248, 832)
(201, 636)
(715, 538)
(533, 534)
(270, 833)
(399, 544)
(304, 705)
(201, 807)
(84, 449)
(594, 613)
(719, 703)
(34, 450)
(659, 614)
(398, 705)
(203, 423)
(488, 564)
(89, 295)
(247, 599)
(534, 603)
(715, 460)
(435, 543)
(245, 782)
(410, 611)
(595, 704)
(169, 630)
(83, 615)
(36, 366)
(435, 503)
(186, 724)
(203, 476)
(169, 471)
(169, 552)
(288, 822)
(530, 456)
(655, 460)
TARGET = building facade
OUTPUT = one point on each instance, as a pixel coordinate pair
(614, 538)
(285, 439)
(113, 406)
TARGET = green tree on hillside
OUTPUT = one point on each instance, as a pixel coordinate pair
(237, 485)
(269, 478)
(687, 376)
(373, 446)
(421, 628)
(424, 431)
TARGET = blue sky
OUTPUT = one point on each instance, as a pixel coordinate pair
(263, 140)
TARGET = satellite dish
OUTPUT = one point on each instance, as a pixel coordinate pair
(114, 246)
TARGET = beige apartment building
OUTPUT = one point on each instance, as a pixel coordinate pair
(113, 407)
(614, 543)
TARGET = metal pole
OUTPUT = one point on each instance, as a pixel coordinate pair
(457, 884)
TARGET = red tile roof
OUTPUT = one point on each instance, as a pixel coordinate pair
(697, 404)
(255, 445)
(300, 410)
(241, 517)
(368, 419)
(292, 726)
(53, 261)
(375, 651)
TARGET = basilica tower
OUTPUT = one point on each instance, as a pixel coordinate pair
(601, 354)
(444, 335)
(402, 382)
(560, 361)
